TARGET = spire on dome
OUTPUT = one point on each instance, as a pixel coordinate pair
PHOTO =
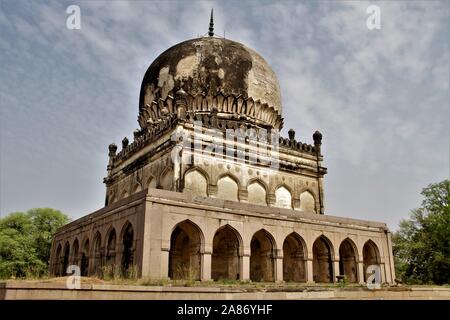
(211, 25)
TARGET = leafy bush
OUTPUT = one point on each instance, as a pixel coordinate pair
(25, 241)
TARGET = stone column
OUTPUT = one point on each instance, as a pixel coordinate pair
(164, 269)
(271, 199)
(383, 272)
(212, 191)
(360, 272)
(279, 269)
(390, 258)
(309, 271)
(245, 267)
(206, 266)
(336, 271)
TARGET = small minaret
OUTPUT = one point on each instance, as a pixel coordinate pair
(211, 25)
(317, 137)
(112, 153)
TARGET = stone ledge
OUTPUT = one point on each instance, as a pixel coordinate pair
(10, 290)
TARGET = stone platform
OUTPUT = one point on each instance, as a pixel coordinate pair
(13, 290)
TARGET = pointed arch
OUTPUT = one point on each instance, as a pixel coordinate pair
(124, 194)
(322, 260)
(348, 264)
(283, 197)
(84, 267)
(294, 258)
(65, 258)
(307, 201)
(112, 198)
(127, 239)
(262, 256)
(111, 243)
(166, 179)
(196, 182)
(151, 182)
(228, 187)
(227, 250)
(371, 256)
(257, 192)
(57, 262)
(186, 250)
(97, 254)
(75, 252)
(136, 188)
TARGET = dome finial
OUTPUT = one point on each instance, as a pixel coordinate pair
(211, 25)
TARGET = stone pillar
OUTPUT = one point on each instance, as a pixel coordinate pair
(271, 199)
(391, 268)
(164, 269)
(360, 272)
(243, 195)
(245, 267)
(212, 191)
(279, 269)
(309, 271)
(336, 271)
(206, 266)
(383, 272)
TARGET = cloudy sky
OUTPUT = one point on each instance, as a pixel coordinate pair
(380, 97)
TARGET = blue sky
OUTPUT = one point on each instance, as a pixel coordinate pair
(380, 97)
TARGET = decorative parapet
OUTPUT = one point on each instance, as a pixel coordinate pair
(253, 111)
(211, 117)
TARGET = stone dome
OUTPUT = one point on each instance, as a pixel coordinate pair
(210, 66)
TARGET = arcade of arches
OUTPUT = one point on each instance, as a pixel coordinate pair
(92, 261)
(227, 257)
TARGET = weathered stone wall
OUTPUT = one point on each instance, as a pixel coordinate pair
(205, 216)
(44, 291)
(175, 233)
(106, 228)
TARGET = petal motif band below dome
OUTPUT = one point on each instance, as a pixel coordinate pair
(207, 69)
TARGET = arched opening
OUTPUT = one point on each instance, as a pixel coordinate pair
(195, 183)
(85, 259)
(112, 198)
(111, 248)
(75, 251)
(262, 257)
(227, 189)
(322, 263)
(151, 182)
(185, 251)
(66, 257)
(307, 202)
(57, 265)
(166, 180)
(294, 259)
(283, 198)
(371, 256)
(137, 188)
(128, 250)
(256, 193)
(347, 261)
(225, 256)
(97, 254)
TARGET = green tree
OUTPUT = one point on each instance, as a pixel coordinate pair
(422, 244)
(25, 240)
